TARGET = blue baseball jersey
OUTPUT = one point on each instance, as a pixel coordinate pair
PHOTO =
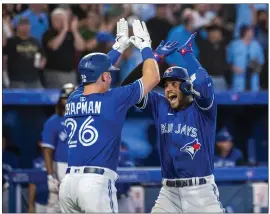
(54, 137)
(42, 190)
(230, 161)
(94, 123)
(186, 137)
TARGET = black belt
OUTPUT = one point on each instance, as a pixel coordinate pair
(88, 170)
(184, 183)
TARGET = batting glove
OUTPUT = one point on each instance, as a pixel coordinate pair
(122, 41)
(164, 50)
(187, 47)
(53, 184)
(141, 38)
(187, 88)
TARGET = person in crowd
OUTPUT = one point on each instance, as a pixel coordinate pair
(89, 31)
(181, 33)
(261, 29)
(38, 193)
(60, 43)
(38, 20)
(246, 15)
(213, 56)
(159, 26)
(226, 154)
(202, 15)
(23, 58)
(245, 56)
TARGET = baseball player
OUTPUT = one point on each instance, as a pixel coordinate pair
(55, 148)
(94, 119)
(38, 193)
(226, 155)
(185, 120)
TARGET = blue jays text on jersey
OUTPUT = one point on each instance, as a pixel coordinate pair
(42, 190)
(94, 123)
(54, 137)
(185, 137)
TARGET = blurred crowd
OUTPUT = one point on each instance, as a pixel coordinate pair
(43, 43)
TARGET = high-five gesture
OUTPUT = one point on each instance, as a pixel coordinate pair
(141, 38)
(122, 41)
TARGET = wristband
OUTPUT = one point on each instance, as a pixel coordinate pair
(147, 53)
(114, 56)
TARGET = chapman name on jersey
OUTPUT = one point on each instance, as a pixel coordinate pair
(180, 129)
(83, 107)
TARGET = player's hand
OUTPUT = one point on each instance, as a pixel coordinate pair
(122, 41)
(164, 50)
(187, 47)
(53, 184)
(141, 38)
(187, 88)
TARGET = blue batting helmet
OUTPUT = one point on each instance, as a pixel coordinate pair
(176, 72)
(93, 65)
(223, 135)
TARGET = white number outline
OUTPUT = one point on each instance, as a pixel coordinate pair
(71, 122)
(84, 129)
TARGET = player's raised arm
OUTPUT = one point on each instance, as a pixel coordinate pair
(200, 84)
(150, 71)
(162, 51)
(122, 41)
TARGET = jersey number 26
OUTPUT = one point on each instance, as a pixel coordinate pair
(85, 129)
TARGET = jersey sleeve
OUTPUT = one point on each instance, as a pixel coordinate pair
(127, 96)
(150, 103)
(49, 136)
(204, 90)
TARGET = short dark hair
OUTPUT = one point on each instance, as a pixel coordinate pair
(244, 29)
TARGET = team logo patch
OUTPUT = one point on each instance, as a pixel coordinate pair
(191, 148)
(169, 70)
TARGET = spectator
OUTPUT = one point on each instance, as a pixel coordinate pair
(89, 31)
(60, 43)
(37, 18)
(23, 58)
(246, 15)
(38, 193)
(213, 56)
(181, 34)
(245, 56)
(226, 155)
(81, 11)
(158, 26)
(10, 161)
(261, 30)
(202, 15)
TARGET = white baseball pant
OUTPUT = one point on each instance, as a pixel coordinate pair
(53, 201)
(191, 199)
(88, 192)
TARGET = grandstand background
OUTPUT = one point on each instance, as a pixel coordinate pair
(32, 76)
